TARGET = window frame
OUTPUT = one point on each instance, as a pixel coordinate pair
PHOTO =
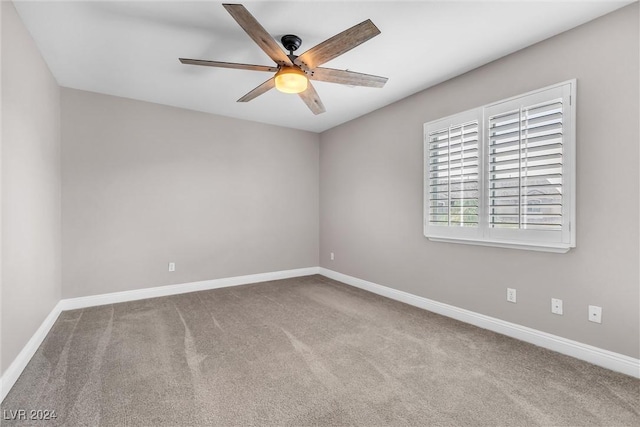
(485, 235)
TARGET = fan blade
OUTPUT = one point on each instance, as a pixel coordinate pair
(337, 45)
(257, 32)
(228, 65)
(264, 87)
(311, 98)
(346, 77)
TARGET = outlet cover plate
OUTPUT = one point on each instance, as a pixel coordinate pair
(595, 314)
(556, 306)
(511, 295)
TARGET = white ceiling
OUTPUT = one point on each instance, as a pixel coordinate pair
(131, 48)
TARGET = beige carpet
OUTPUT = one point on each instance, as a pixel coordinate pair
(306, 351)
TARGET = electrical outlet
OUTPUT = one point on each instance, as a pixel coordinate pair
(595, 314)
(511, 295)
(556, 306)
(332, 256)
(172, 266)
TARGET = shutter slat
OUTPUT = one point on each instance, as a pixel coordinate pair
(554, 117)
(555, 158)
(532, 153)
(528, 171)
(506, 136)
(545, 108)
(446, 153)
(512, 192)
(507, 115)
(537, 131)
(458, 145)
(531, 142)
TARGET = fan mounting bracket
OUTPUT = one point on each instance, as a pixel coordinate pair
(291, 42)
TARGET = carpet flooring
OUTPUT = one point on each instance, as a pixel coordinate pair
(304, 351)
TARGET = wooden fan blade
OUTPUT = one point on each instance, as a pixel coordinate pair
(311, 98)
(264, 87)
(257, 32)
(228, 65)
(346, 77)
(337, 45)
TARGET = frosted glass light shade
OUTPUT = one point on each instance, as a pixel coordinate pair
(291, 80)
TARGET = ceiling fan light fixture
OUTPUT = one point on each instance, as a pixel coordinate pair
(291, 80)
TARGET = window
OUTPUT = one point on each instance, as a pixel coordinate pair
(504, 174)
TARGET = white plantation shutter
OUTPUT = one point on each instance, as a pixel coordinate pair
(526, 141)
(505, 170)
(525, 167)
(454, 176)
(452, 162)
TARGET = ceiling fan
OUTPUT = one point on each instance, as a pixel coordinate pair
(294, 72)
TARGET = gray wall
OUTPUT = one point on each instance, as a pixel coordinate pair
(145, 184)
(371, 194)
(30, 187)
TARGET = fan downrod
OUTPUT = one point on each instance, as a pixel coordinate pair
(291, 42)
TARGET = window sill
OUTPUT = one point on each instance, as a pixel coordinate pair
(540, 247)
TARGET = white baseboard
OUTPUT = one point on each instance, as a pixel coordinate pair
(183, 288)
(605, 358)
(14, 370)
